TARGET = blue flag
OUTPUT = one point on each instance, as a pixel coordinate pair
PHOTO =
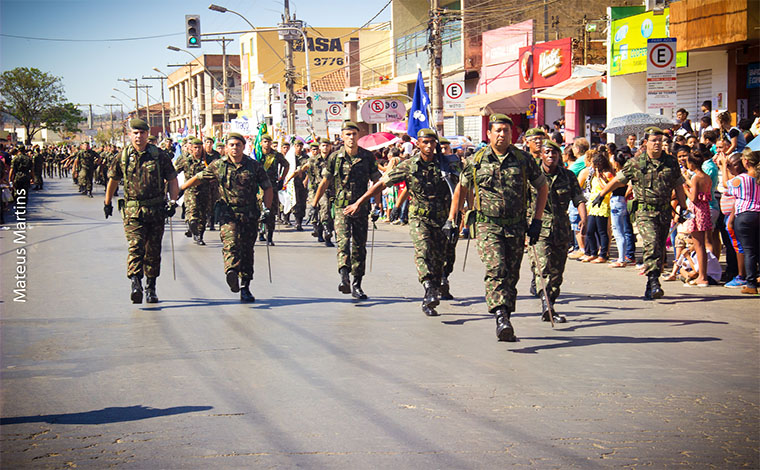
(418, 117)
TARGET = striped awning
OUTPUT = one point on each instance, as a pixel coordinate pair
(577, 88)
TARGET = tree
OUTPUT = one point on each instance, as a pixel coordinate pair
(37, 100)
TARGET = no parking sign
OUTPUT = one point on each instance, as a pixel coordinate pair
(661, 74)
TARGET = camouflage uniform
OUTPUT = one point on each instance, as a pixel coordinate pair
(556, 233)
(144, 174)
(23, 170)
(299, 209)
(196, 198)
(350, 177)
(273, 163)
(86, 160)
(653, 183)
(501, 199)
(323, 214)
(213, 188)
(428, 211)
(239, 184)
(38, 161)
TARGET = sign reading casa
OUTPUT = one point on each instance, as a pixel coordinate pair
(546, 64)
(319, 44)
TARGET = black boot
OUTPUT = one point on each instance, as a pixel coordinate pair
(262, 237)
(356, 289)
(245, 292)
(345, 282)
(656, 291)
(200, 239)
(182, 215)
(299, 226)
(430, 301)
(504, 329)
(445, 290)
(89, 193)
(318, 230)
(533, 290)
(328, 240)
(137, 290)
(547, 310)
(150, 291)
(232, 280)
(270, 242)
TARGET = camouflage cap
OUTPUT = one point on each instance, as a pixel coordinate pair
(552, 145)
(139, 124)
(196, 142)
(534, 131)
(314, 144)
(349, 125)
(235, 135)
(444, 141)
(152, 138)
(266, 137)
(427, 132)
(653, 130)
(325, 140)
(500, 118)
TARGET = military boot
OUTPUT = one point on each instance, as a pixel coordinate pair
(245, 292)
(656, 289)
(445, 290)
(328, 240)
(356, 289)
(430, 301)
(200, 239)
(299, 225)
(262, 237)
(150, 291)
(137, 290)
(533, 290)
(89, 193)
(345, 282)
(504, 329)
(547, 312)
(232, 280)
(319, 231)
(270, 242)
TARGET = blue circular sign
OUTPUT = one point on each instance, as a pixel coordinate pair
(647, 27)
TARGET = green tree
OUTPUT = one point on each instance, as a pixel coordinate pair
(37, 100)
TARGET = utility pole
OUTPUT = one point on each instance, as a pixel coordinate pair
(436, 77)
(110, 108)
(585, 41)
(225, 87)
(137, 102)
(163, 110)
(290, 74)
(546, 20)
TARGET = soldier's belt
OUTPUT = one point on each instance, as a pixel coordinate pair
(156, 201)
(503, 221)
(242, 209)
(653, 207)
(341, 203)
(422, 212)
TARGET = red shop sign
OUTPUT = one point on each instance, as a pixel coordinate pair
(546, 64)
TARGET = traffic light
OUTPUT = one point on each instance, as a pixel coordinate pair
(309, 109)
(193, 30)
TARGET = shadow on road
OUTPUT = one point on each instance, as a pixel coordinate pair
(186, 303)
(462, 321)
(594, 322)
(577, 341)
(117, 414)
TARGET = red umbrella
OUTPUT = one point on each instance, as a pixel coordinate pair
(378, 140)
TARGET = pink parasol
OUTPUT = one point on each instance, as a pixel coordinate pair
(378, 140)
(398, 127)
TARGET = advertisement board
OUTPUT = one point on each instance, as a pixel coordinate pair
(546, 64)
(628, 52)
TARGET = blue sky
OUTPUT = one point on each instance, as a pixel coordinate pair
(91, 69)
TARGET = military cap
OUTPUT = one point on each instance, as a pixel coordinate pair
(235, 135)
(552, 145)
(534, 131)
(266, 137)
(444, 141)
(349, 125)
(196, 141)
(21, 146)
(653, 130)
(314, 144)
(427, 132)
(152, 138)
(209, 138)
(139, 124)
(500, 118)
(325, 140)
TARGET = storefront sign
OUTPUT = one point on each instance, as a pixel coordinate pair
(661, 74)
(753, 75)
(629, 42)
(546, 64)
(531, 113)
(378, 111)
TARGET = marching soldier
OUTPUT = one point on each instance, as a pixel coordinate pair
(556, 234)
(322, 218)
(431, 200)
(21, 172)
(535, 137)
(276, 167)
(38, 161)
(299, 209)
(498, 176)
(240, 177)
(145, 169)
(196, 198)
(85, 162)
(209, 155)
(349, 171)
(654, 175)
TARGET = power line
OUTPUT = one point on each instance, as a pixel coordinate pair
(89, 40)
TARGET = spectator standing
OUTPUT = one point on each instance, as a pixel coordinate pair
(597, 238)
(699, 192)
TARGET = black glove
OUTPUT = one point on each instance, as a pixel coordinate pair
(180, 193)
(280, 184)
(108, 209)
(264, 215)
(534, 231)
(171, 209)
(395, 212)
(449, 231)
(683, 216)
(597, 200)
(375, 215)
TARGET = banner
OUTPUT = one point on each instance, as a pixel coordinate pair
(418, 117)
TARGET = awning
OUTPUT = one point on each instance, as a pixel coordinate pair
(507, 102)
(577, 88)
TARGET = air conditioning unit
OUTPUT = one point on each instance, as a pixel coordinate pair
(656, 5)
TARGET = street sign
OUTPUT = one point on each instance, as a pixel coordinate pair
(661, 74)
(335, 111)
(382, 110)
(453, 93)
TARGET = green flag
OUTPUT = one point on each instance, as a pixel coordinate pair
(257, 152)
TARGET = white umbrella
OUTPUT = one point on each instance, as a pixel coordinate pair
(636, 123)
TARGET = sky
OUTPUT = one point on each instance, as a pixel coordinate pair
(90, 61)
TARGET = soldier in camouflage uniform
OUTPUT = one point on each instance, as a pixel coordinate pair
(499, 175)
(431, 200)
(534, 137)
(349, 171)
(556, 233)
(209, 155)
(322, 218)
(277, 168)
(85, 160)
(38, 161)
(299, 188)
(145, 169)
(240, 177)
(21, 172)
(196, 198)
(654, 175)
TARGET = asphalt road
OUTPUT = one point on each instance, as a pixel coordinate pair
(307, 378)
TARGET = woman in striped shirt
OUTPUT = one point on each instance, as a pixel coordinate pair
(746, 190)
